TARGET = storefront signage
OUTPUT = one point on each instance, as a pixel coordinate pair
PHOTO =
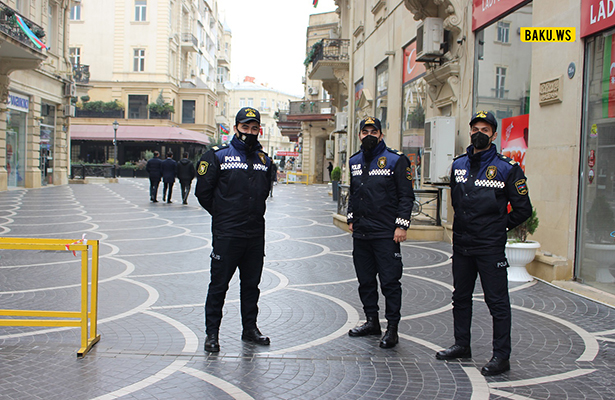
(18, 102)
(591, 160)
(550, 91)
(287, 153)
(485, 11)
(412, 69)
(596, 15)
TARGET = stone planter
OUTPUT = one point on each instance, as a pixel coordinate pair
(518, 256)
(604, 256)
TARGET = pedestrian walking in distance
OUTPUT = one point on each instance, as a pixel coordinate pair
(233, 183)
(379, 208)
(169, 172)
(483, 183)
(185, 174)
(154, 170)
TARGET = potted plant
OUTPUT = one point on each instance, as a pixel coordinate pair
(600, 229)
(336, 174)
(160, 109)
(520, 251)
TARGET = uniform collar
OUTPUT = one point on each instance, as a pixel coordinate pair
(483, 155)
(377, 150)
(241, 146)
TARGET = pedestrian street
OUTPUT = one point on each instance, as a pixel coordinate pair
(154, 272)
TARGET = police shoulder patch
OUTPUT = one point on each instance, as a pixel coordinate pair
(492, 171)
(409, 173)
(382, 162)
(521, 187)
(202, 169)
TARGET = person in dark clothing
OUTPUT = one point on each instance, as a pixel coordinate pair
(483, 184)
(379, 208)
(169, 172)
(233, 183)
(330, 169)
(185, 174)
(154, 169)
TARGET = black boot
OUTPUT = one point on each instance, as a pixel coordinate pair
(453, 352)
(211, 343)
(371, 327)
(495, 366)
(255, 336)
(390, 338)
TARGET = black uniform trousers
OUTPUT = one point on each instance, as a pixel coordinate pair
(379, 258)
(494, 280)
(227, 255)
(153, 188)
(185, 186)
(167, 191)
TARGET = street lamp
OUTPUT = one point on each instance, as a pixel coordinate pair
(115, 126)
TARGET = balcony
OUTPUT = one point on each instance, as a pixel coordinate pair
(290, 129)
(17, 51)
(81, 74)
(320, 110)
(190, 43)
(329, 55)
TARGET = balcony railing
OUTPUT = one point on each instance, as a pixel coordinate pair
(310, 107)
(8, 25)
(81, 73)
(99, 114)
(190, 38)
(332, 50)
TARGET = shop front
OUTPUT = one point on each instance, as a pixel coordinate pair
(502, 71)
(18, 107)
(595, 247)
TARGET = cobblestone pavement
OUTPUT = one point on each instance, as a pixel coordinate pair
(154, 275)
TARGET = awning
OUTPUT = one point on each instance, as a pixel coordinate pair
(138, 134)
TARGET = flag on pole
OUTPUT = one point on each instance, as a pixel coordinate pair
(314, 3)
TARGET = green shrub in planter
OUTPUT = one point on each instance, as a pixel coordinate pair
(521, 232)
(336, 174)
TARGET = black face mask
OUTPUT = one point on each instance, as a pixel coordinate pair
(480, 141)
(249, 140)
(369, 142)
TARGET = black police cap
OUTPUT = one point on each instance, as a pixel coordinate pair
(247, 114)
(486, 116)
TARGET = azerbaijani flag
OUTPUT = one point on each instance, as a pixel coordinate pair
(37, 42)
(608, 79)
(315, 3)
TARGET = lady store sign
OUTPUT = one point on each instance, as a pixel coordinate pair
(485, 11)
(596, 15)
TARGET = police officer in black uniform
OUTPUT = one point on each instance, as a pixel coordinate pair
(233, 183)
(379, 208)
(483, 183)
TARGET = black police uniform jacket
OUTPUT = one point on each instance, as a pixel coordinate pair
(381, 195)
(482, 185)
(233, 185)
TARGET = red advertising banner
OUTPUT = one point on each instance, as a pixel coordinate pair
(485, 11)
(596, 15)
(412, 69)
(514, 137)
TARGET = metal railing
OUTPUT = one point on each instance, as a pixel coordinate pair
(81, 73)
(190, 38)
(87, 316)
(82, 171)
(8, 25)
(311, 107)
(426, 210)
(332, 50)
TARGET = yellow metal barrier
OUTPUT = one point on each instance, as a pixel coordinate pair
(84, 318)
(297, 177)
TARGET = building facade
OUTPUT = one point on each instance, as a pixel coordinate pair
(157, 67)
(35, 88)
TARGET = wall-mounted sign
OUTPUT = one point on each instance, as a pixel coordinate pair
(596, 15)
(412, 69)
(590, 175)
(485, 11)
(18, 102)
(591, 160)
(550, 91)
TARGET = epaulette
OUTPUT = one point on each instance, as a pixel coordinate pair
(222, 146)
(399, 153)
(355, 154)
(507, 159)
(265, 153)
(460, 155)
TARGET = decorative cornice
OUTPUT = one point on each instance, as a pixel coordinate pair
(430, 8)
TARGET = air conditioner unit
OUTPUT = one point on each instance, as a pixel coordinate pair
(341, 121)
(439, 149)
(70, 89)
(429, 38)
(313, 90)
(69, 111)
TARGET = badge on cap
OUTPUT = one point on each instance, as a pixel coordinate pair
(481, 114)
(250, 113)
(369, 121)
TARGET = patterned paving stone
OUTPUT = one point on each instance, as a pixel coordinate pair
(154, 262)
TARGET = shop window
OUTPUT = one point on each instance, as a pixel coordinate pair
(503, 32)
(188, 111)
(137, 106)
(140, 10)
(596, 226)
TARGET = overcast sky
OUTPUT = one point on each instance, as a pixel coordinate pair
(269, 39)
